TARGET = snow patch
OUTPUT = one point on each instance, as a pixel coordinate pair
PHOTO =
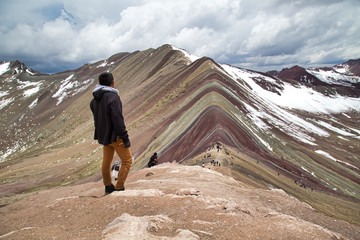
(104, 64)
(189, 56)
(5, 102)
(346, 115)
(343, 138)
(70, 88)
(17, 146)
(4, 67)
(26, 84)
(303, 168)
(334, 77)
(288, 122)
(334, 159)
(334, 129)
(260, 124)
(341, 68)
(61, 93)
(31, 91)
(33, 104)
(30, 72)
(2, 94)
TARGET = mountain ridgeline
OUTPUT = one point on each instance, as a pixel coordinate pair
(299, 123)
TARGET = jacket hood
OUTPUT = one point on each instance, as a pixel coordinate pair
(99, 91)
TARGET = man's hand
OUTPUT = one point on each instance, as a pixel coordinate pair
(126, 142)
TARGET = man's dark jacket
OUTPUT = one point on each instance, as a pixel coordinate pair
(108, 119)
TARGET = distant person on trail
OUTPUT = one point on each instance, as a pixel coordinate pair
(110, 131)
(153, 160)
(115, 170)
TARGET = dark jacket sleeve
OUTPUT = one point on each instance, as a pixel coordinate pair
(92, 107)
(117, 118)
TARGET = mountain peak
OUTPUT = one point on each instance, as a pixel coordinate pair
(341, 75)
(353, 62)
(299, 74)
(15, 67)
(352, 66)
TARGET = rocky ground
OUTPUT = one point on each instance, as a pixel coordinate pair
(170, 201)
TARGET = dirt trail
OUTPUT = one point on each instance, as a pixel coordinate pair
(169, 201)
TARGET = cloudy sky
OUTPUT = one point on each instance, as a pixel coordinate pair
(55, 35)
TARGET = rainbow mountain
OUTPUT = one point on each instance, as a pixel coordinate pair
(299, 123)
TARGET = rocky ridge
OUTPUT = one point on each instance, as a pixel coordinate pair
(170, 201)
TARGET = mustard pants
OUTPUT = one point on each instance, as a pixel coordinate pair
(126, 161)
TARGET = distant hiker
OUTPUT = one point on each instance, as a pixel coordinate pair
(218, 147)
(203, 165)
(110, 130)
(115, 170)
(153, 160)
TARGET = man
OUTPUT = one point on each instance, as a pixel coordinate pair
(110, 131)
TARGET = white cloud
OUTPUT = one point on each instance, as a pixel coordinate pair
(266, 32)
(250, 33)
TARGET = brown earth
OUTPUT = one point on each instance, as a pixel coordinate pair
(171, 201)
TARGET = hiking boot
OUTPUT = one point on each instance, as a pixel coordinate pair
(122, 189)
(109, 189)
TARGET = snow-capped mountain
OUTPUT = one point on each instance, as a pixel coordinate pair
(301, 123)
(345, 74)
(15, 67)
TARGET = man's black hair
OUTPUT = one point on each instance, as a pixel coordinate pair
(106, 79)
